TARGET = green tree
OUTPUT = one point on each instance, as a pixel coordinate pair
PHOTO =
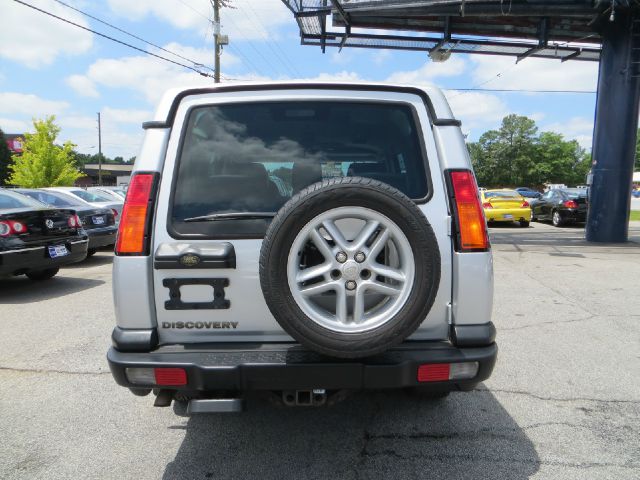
(43, 163)
(5, 159)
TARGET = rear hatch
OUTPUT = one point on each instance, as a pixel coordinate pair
(240, 162)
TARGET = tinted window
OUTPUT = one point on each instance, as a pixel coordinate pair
(575, 192)
(254, 157)
(502, 194)
(57, 200)
(16, 200)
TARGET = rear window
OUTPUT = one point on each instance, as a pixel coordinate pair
(92, 196)
(253, 157)
(10, 199)
(57, 200)
(576, 193)
(502, 194)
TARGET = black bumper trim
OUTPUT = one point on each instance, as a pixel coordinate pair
(288, 366)
(473, 335)
(134, 340)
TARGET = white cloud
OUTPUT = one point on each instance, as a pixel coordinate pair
(82, 85)
(343, 76)
(147, 75)
(424, 75)
(125, 115)
(533, 73)
(577, 128)
(31, 38)
(477, 110)
(381, 56)
(247, 20)
(29, 105)
(9, 125)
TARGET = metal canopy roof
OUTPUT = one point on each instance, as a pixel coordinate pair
(560, 29)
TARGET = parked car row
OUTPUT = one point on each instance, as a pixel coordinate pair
(560, 206)
(44, 229)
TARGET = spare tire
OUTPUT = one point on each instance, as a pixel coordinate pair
(350, 267)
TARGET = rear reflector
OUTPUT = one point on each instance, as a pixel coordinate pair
(157, 376)
(132, 233)
(470, 223)
(170, 376)
(441, 372)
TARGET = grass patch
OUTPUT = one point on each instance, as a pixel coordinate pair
(635, 215)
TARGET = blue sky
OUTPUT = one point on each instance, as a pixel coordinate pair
(49, 67)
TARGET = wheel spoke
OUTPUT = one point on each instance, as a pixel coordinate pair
(335, 234)
(364, 235)
(358, 306)
(383, 288)
(318, 288)
(313, 272)
(321, 244)
(388, 272)
(379, 243)
(341, 305)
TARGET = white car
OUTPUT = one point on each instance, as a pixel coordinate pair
(96, 199)
(370, 268)
(117, 193)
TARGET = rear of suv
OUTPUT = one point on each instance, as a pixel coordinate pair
(305, 240)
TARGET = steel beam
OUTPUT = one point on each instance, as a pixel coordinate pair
(614, 136)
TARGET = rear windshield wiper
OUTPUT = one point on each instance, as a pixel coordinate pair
(230, 216)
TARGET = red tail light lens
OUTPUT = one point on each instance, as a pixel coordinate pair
(469, 216)
(115, 212)
(74, 221)
(571, 204)
(12, 227)
(525, 204)
(170, 376)
(487, 205)
(132, 233)
(435, 372)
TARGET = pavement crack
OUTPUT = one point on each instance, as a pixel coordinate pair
(557, 399)
(48, 371)
(551, 322)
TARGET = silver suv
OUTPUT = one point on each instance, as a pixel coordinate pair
(301, 239)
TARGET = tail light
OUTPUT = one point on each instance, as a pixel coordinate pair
(115, 212)
(441, 372)
(157, 376)
(487, 205)
(470, 225)
(570, 204)
(74, 221)
(525, 204)
(12, 227)
(133, 233)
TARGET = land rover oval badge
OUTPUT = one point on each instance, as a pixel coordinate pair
(189, 260)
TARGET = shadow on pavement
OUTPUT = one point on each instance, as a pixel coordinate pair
(19, 290)
(379, 435)
(99, 259)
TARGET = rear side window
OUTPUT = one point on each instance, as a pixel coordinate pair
(252, 157)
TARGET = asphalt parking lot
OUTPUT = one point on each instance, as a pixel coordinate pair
(563, 402)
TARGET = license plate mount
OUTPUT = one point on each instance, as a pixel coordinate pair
(56, 251)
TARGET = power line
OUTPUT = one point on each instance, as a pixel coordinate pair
(128, 33)
(281, 58)
(204, 74)
(209, 20)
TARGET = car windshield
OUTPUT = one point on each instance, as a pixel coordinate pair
(10, 199)
(253, 157)
(56, 199)
(502, 194)
(91, 196)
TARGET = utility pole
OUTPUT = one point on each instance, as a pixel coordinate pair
(99, 151)
(216, 36)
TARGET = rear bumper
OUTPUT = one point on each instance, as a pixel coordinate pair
(20, 261)
(573, 215)
(251, 367)
(102, 237)
(508, 214)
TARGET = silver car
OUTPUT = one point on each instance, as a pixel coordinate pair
(95, 199)
(306, 240)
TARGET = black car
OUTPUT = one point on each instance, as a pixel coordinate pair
(99, 223)
(36, 240)
(561, 206)
(528, 192)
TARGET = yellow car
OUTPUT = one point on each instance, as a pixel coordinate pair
(505, 205)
